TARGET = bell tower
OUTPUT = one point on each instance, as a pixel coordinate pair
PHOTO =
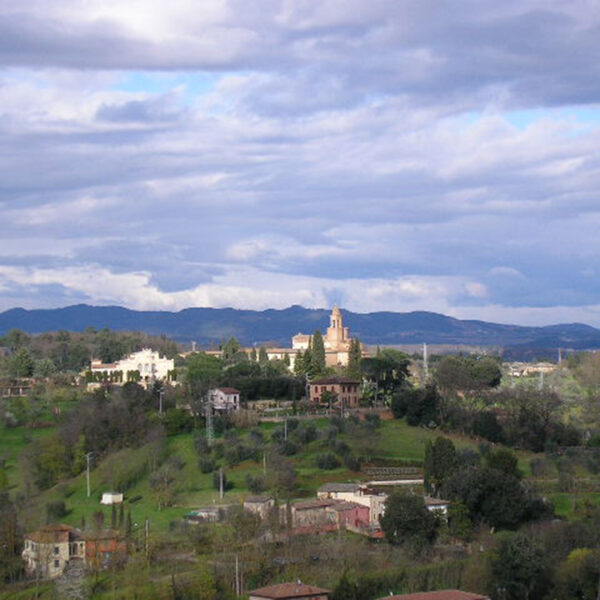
(337, 334)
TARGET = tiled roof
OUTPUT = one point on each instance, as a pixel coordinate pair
(341, 506)
(49, 533)
(439, 595)
(307, 504)
(258, 499)
(228, 390)
(333, 380)
(339, 487)
(429, 501)
(288, 590)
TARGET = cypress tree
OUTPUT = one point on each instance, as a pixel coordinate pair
(263, 357)
(318, 353)
(354, 358)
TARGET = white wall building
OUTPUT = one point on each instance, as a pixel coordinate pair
(224, 399)
(147, 362)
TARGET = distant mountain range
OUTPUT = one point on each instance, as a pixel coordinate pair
(209, 326)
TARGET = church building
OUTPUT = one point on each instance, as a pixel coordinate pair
(336, 341)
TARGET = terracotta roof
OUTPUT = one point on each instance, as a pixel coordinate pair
(307, 504)
(429, 501)
(258, 499)
(439, 595)
(342, 506)
(333, 380)
(228, 390)
(49, 533)
(288, 590)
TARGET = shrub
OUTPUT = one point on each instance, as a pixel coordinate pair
(201, 443)
(207, 464)
(227, 485)
(352, 462)
(306, 433)
(256, 484)
(340, 447)
(373, 420)
(327, 461)
(287, 448)
(55, 511)
(257, 436)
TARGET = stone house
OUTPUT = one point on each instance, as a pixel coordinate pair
(262, 506)
(50, 549)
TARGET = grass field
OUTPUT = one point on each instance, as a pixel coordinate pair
(394, 440)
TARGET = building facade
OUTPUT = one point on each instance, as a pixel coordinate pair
(338, 391)
(145, 366)
(224, 399)
(49, 551)
(336, 341)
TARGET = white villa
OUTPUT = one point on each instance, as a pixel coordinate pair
(145, 366)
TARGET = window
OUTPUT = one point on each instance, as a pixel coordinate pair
(56, 564)
(56, 550)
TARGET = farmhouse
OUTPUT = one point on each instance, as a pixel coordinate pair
(49, 550)
(335, 390)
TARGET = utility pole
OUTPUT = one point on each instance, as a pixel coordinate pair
(221, 483)
(88, 456)
(559, 357)
(161, 394)
(425, 363)
(210, 433)
(238, 591)
(264, 463)
(285, 430)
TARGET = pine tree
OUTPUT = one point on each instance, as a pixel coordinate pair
(318, 353)
(253, 357)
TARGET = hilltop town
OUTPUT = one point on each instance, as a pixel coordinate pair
(326, 469)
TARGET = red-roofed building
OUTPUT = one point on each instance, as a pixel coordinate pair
(438, 595)
(289, 591)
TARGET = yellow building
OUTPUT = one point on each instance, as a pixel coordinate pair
(336, 341)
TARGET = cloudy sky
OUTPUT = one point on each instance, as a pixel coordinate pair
(385, 154)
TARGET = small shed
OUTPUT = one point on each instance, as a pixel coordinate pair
(112, 498)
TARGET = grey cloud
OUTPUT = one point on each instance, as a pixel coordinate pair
(161, 109)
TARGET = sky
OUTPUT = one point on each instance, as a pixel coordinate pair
(382, 154)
